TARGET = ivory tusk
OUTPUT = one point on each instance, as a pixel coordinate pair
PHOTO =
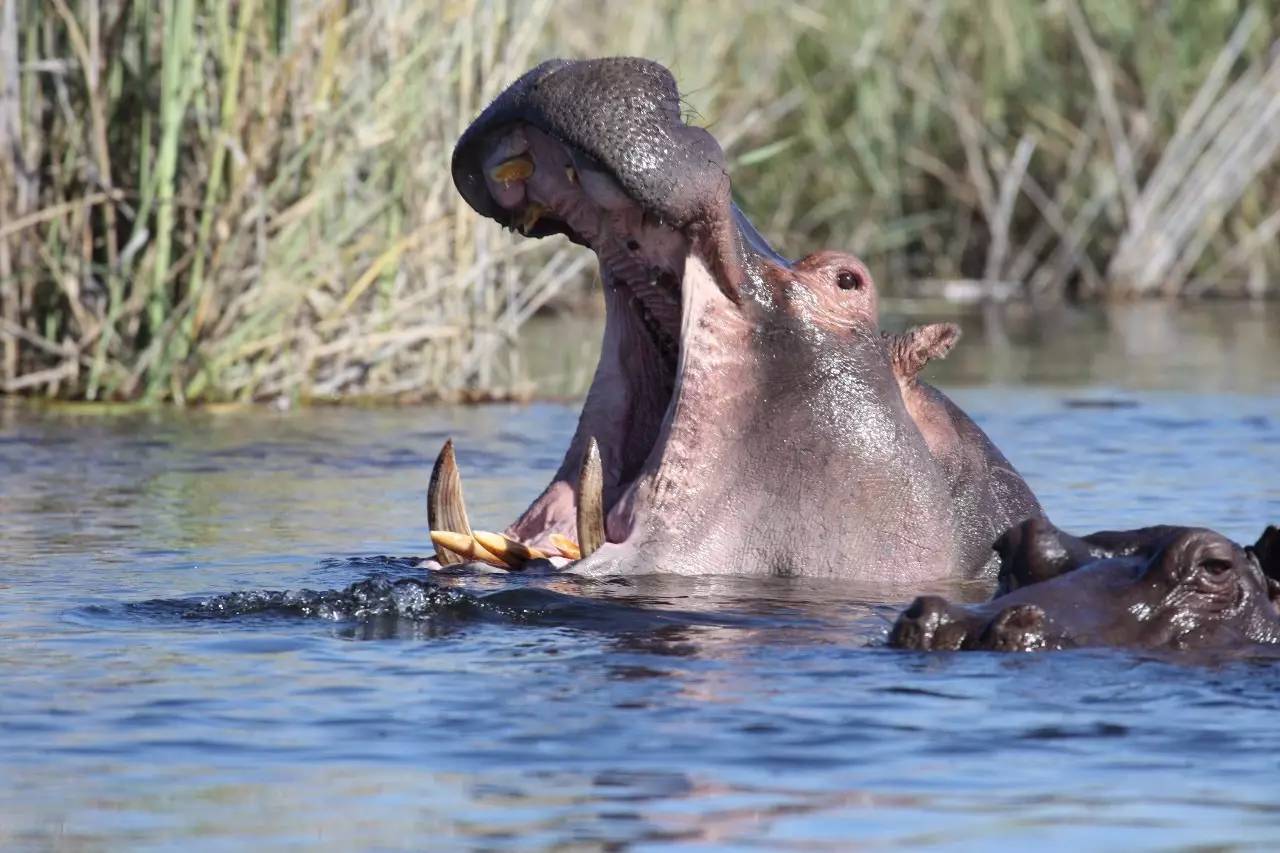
(446, 510)
(590, 501)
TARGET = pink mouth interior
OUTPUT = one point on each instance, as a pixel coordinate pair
(642, 263)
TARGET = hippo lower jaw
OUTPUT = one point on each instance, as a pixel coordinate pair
(649, 518)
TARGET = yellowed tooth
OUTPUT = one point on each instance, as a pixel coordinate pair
(532, 213)
(446, 510)
(466, 546)
(566, 546)
(571, 173)
(517, 168)
(514, 554)
(589, 497)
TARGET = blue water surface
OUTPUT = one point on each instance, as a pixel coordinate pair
(553, 713)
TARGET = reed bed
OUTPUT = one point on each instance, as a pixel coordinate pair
(206, 201)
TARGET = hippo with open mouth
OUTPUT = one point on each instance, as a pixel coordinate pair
(1166, 588)
(747, 414)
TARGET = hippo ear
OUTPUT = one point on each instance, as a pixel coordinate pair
(1032, 552)
(1267, 550)
(911, 350)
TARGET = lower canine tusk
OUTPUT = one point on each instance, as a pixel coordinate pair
(446, 510)
(590, 500)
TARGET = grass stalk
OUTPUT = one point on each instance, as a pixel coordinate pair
(178, 75)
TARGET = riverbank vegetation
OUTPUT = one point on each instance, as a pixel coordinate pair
(244, 200)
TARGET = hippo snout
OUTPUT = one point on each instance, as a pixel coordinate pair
(1020, 628)
(621, 114)
(932, 623)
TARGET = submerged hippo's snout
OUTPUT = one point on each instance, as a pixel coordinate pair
(932, 623)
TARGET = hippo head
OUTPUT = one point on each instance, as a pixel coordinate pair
(1188, 588)
(744, 407)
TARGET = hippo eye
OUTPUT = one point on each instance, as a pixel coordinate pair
(849, 280)
(1215, 567)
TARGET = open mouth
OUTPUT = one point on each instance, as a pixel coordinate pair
(541, 186)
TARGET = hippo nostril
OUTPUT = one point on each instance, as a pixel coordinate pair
(1019, 628)
(918, 625)
(633, 245)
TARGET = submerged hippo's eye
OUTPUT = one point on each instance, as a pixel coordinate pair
(1215, 566)
(850, 280)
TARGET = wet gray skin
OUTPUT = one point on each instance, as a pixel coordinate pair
(1170, 588)
(1036, 550)
(750, 415)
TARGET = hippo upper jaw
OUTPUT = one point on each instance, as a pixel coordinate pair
(620, 116)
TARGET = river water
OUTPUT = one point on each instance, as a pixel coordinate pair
(144, 708)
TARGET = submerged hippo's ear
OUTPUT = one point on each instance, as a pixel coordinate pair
(1267, 550)
(911, 350)
(1032, 552)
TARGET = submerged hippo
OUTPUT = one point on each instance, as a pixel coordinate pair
(747, 415)
(1155, 588)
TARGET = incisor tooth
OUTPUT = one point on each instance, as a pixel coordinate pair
(514, 554)
(517, 168)
(566, 546)
(590, 500)
(446, 510)
(464, 545)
